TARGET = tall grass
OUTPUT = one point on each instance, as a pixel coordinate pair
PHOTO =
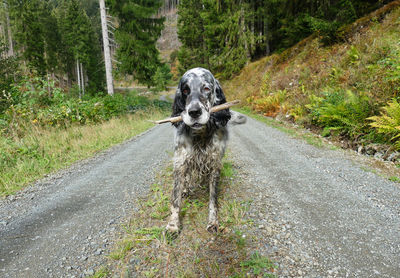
(43, 150)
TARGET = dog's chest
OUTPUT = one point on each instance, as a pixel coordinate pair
(196, 159)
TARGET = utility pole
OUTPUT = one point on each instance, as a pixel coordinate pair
(106, 44)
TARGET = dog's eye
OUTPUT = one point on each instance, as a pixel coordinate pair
(186, 91)
(206, 89)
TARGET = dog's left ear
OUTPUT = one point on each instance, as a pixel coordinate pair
(222, 117)
(179, 104)
(219, 94)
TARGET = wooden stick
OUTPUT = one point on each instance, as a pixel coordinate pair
(213, 110)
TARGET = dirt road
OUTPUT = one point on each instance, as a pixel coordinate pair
(61, 227)
(317, 213)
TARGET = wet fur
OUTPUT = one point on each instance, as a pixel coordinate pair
(198, 151)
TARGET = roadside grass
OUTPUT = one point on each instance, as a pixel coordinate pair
(299, 133)
(147, 251)
(45, 150)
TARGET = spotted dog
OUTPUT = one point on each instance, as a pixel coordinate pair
(200, 141)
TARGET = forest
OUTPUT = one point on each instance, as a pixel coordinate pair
(52, 65)
(224, 35)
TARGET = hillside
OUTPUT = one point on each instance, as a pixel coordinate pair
(334, 90)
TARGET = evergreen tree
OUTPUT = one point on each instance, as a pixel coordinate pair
(193, 52)
(137, 34)
(80, 43)
(52, 38)
(30, 35)
(215, 35)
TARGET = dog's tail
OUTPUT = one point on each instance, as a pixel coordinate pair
(237, 118)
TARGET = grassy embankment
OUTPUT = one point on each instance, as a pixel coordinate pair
(146, 251)
(334, 90)
(32, 148)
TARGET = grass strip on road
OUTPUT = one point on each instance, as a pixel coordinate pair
(45, 150)
(145, 250)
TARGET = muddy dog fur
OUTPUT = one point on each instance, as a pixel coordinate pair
(200, 141)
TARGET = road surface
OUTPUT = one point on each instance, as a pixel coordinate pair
(317, 213)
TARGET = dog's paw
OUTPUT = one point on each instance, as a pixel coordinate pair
(212, 227)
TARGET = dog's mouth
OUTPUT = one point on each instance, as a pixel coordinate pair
(196, 126)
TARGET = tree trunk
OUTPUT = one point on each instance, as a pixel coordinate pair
(10, 41)
(82, 79)
(78, 75)
(106, 44)
(266, 34)
(243, 33)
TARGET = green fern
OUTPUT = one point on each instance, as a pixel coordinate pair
(388, 123)
(344, 113)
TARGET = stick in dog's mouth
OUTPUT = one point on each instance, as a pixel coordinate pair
(213, 110)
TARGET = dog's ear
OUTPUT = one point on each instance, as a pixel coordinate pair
(178, 105)
(222, 117)
(219, 94)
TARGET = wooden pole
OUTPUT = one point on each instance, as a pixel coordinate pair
(106, 44)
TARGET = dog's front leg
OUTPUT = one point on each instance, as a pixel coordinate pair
(212, 213)
(176, 201)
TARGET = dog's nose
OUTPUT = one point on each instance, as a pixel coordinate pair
(195, 112)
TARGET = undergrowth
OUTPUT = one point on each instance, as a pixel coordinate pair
(39, 102)
(147, 251)
(338, 89)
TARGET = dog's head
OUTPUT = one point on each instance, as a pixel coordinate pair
(197, 92)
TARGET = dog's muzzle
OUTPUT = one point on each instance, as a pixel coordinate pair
(196, 115)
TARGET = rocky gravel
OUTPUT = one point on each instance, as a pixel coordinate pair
(316, 212)
(64, 224)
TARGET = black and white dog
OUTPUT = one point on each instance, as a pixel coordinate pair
(200, 141)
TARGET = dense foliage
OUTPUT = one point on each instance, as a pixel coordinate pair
(137, 33)
(349, 90)
(224, 35)
(8, 74)
(61, 39)
(37, 101)
(50, 36)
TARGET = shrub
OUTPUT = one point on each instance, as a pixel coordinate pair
(344, 113)
(39, 102)
(388, 122)
(272, 104)
(392, 64)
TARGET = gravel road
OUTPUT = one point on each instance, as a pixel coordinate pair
(61, 226)
(317, 213)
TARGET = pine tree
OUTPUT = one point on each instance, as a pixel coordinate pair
(51, 38)
(27, 17)
(215, 35)
(137, 34)
(80, 45)
(193, 52)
